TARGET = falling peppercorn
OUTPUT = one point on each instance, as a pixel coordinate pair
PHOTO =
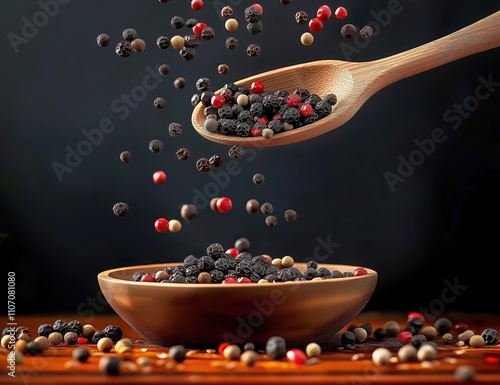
(120, 209)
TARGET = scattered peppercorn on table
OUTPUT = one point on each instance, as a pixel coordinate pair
(337, 363)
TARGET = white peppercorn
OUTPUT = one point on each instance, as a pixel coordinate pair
(313, 350)
(381, 356)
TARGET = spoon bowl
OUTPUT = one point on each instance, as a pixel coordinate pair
(355, 82)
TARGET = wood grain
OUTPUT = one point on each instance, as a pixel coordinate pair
(336, 366)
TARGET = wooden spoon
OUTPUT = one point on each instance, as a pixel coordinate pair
(354, 83)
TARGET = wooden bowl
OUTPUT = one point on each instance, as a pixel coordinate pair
(202, 316)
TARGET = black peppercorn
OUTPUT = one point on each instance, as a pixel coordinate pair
(207, 33)
(177, 22)
(174, 129)
(182, 153)
(109, 365)
(203, 165)
(75, 326)
(290, 215)
(276, 348)
(271, 221)
(129, 34)
(348, 338)
(191, 22)
(97, 336)
(155, 146)
(187, 53)
(163, 42)
(379, 334)
(81, 354)
(120, 209)
(255, 28)
(123, 49)
(177, 353)
(252, 14)
(348, 31)
(231, 42)
(60, 326)
(45, 330)
(180, 83)
(114, 332)
(164, 69)
(159, 103)
(223, 68)
(366, 32)
(125, 156)
(34, 348)
(253, 50)
(103, 40)
(301, 17)
(236, 152)
(216, 160)
(203, 84)
(266, 208)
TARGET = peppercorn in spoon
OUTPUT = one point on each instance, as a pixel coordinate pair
(355, 82)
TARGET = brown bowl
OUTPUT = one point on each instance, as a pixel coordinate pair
(204, 315)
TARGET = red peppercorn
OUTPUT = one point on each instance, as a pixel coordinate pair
(218, 100)
(415, 314)
(221, 347)
(147, 278)
(405, 337)
(196, 5)
(460, 327)
(258, 7)
(257, 87)
(255, 131)
(491, 360)
(244, 280)
(198, 28)
(296, 356)
(230, 280)
(224, 205)
(161, 225)
(324, 12)
(341, 13)
(359, 271)
(82, 340)
(293, 100)
(263, 120)
(315, 25)
(233, 251)
(277, 117)
(306, 109)
(159, 177)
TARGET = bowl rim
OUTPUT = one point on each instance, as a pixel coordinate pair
(105, 276)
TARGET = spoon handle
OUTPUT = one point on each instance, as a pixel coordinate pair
(477, 37)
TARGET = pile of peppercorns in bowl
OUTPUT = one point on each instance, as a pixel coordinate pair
(232, 292)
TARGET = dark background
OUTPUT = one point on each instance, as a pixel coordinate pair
(440, 226)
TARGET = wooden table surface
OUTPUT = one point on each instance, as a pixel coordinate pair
(336, 365)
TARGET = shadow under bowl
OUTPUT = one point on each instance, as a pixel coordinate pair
(201, 316)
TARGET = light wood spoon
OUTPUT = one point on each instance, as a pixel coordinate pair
(355, 82)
